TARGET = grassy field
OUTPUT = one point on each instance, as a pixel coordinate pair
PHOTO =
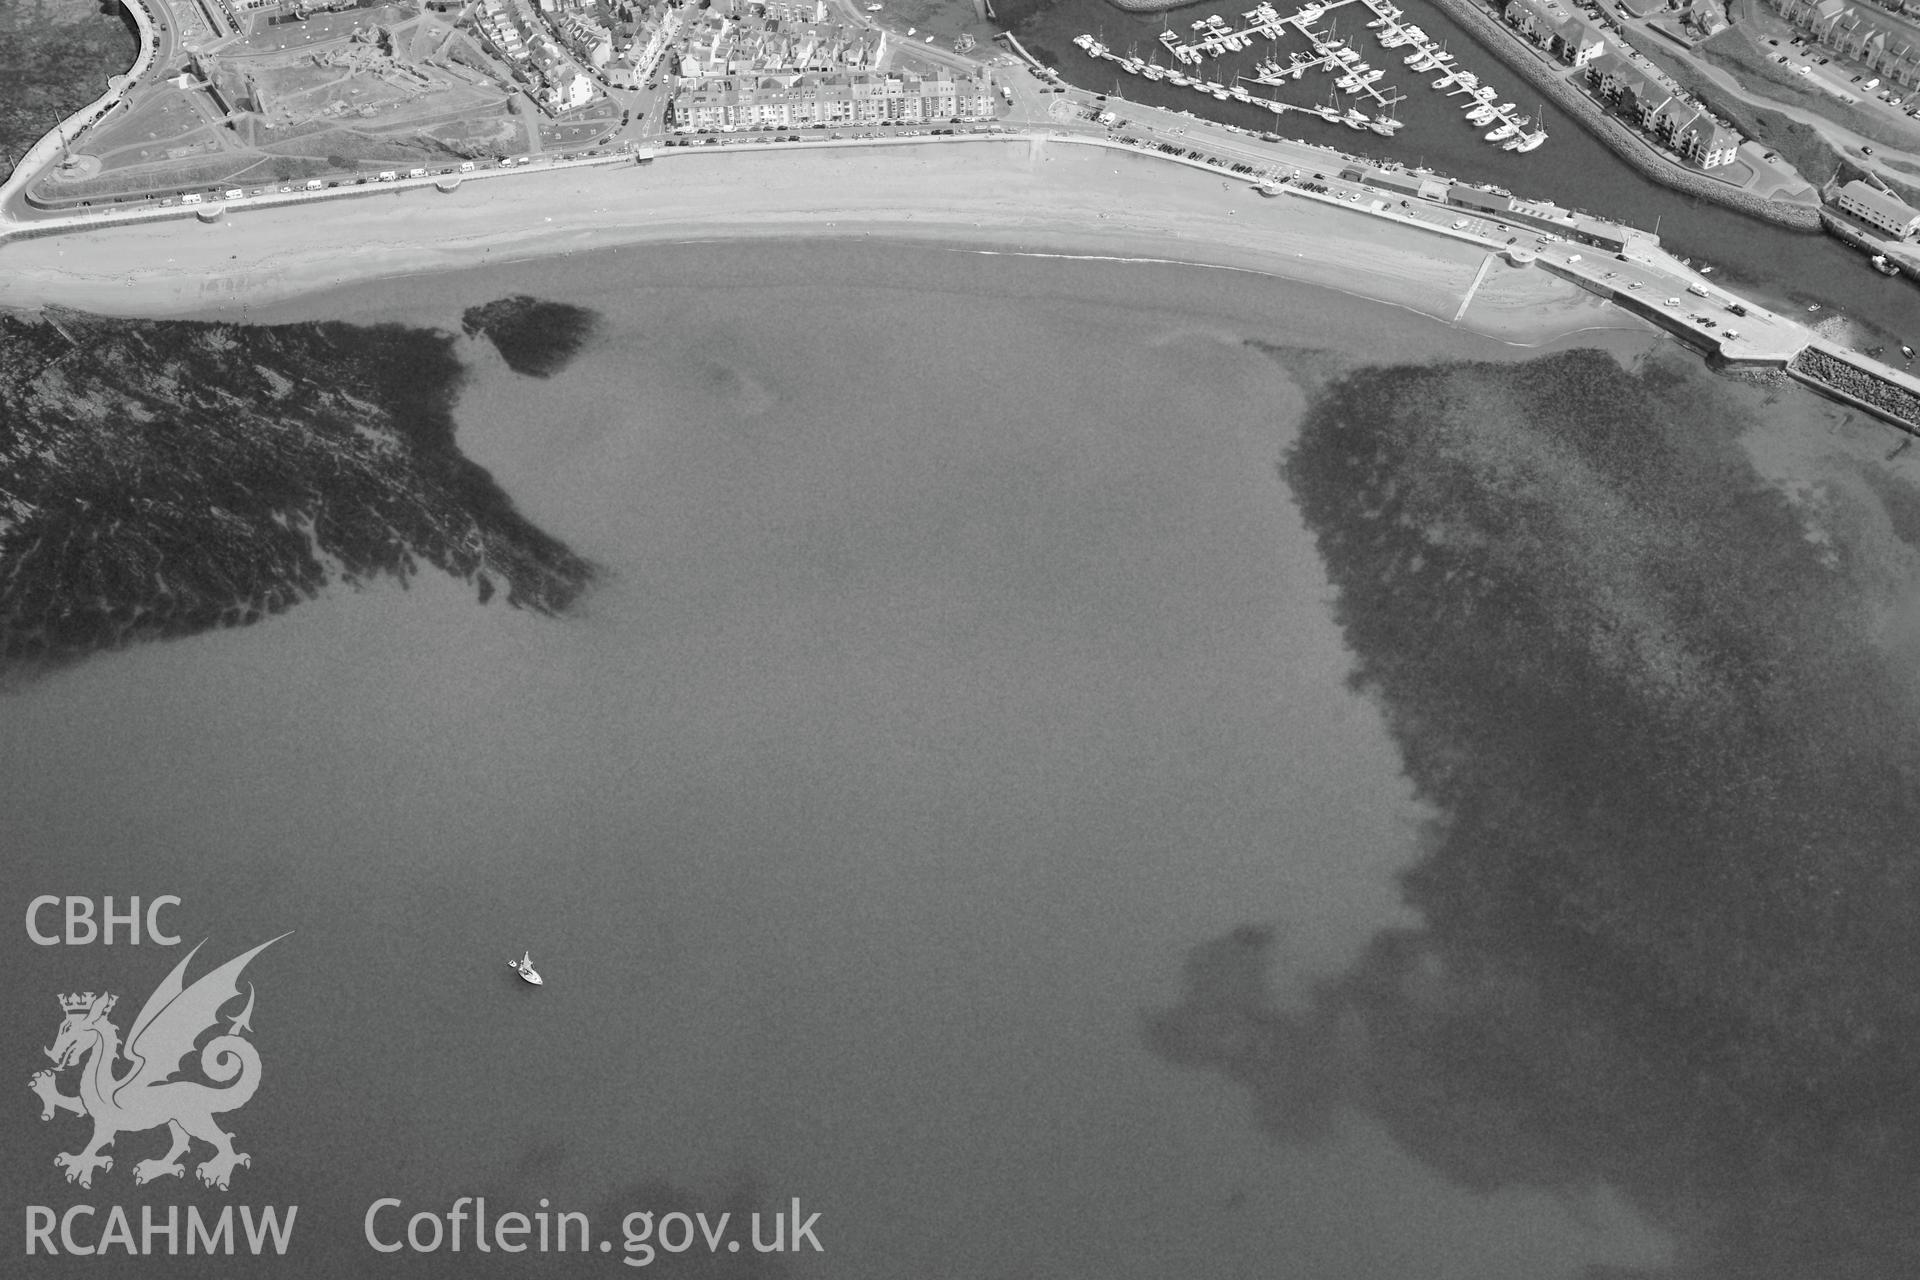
(55, 57)
(1740, 55)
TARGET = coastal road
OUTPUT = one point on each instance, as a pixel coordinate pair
(1049, 108)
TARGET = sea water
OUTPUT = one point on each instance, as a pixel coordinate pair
(957, 662)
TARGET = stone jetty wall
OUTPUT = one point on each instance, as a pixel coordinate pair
(1857, 385)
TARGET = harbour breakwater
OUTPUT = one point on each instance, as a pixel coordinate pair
(1844, 376)
(1641, 155)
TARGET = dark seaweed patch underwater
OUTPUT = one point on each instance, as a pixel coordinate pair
(1671, 902)
(534, 337)
(161, 478)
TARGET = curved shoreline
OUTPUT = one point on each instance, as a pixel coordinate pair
(32, 165)
(1017, 194)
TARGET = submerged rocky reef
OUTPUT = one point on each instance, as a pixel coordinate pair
(163, 477)
(1670, 894)
(534, 337)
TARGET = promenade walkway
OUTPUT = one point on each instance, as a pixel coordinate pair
(1644, 280)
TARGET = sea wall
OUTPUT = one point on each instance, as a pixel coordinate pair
(1645, 158)
(1874, 389)
(1901, 252)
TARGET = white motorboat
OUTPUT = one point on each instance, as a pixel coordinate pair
(524, 967)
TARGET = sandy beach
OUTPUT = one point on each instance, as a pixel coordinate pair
(1037, 196)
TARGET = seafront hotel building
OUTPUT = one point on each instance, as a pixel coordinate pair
(797, 100)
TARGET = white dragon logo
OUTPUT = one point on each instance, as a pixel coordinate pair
(146, 1096)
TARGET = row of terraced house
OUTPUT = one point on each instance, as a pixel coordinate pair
(792, 101)
(1679, 123)
(718, 44)
(1887, 45)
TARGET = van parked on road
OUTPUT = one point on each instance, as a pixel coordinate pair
(314, 184)
(192, 197)
(416, 173)
(388, 175)
(466, 167)
(234, 193)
